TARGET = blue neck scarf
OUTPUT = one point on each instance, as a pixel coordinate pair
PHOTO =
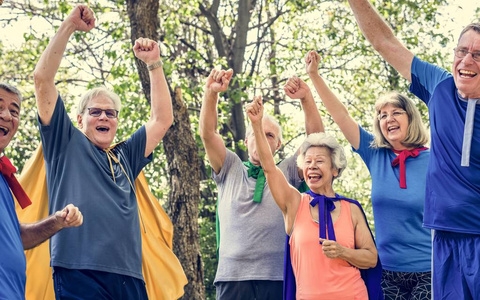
(325, 207)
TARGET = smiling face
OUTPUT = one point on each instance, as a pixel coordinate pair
(272, 132)
(100, 130)
(393, 123)
(9, 117)
(466, 71)
(318, 170)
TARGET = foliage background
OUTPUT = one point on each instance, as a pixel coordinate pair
(197, 36)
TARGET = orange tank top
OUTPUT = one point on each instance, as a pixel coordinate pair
(317, 276)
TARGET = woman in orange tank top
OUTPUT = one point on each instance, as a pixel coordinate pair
(330, 239)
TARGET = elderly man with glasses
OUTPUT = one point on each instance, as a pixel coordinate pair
(103, 259)
(452, 206)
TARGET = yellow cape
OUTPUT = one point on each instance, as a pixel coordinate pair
(163, 274)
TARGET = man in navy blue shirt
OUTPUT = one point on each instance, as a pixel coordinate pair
(15, 237)
(452, 207)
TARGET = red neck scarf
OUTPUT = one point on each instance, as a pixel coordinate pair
(8, 170)
(400, 159)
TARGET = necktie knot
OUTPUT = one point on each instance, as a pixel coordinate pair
(8, 170)
(6, 167)
(400, 160)
(325, 207)
(256, 172)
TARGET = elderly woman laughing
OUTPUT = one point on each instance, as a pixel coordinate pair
(329, 237)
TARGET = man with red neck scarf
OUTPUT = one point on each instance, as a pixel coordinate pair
(14, 236)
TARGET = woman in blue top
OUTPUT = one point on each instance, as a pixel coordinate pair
(397, 160)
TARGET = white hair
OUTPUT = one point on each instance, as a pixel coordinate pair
(321, 139)
(273, 121)
(98, 91)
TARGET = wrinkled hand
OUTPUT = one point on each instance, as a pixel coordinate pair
(70, 216)
(255, 110)
(82, 17)
(295, 88)
(312, 59)
(218, 80)
(146, 50)
(331, 249)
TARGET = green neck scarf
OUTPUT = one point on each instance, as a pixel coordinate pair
(257, 173)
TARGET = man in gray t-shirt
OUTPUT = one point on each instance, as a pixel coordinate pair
(252, 232)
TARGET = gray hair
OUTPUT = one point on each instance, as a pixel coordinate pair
(321, 139)
(417, 135)
(11, 89)
(473, 26)
(249, 129)
(98, 91)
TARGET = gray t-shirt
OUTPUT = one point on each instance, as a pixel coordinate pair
(78, 172)
(252, 235)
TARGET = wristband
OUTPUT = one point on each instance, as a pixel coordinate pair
(155, 65)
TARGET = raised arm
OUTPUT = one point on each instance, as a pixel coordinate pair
(286, 196)
(365, 255)
(36, 233)
(379, 34)
(335, 107)
(80, 19)
(217, 82)
(296, 88)
(161, 115)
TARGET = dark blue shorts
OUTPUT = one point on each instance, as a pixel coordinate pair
(456, 266)
(74, 284)
(249, 289)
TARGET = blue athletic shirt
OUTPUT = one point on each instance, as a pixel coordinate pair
(12, 257)
(78, 172)
(403, 244)
(453, 192)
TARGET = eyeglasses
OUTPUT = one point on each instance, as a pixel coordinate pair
(395, 114)
(462, 52)
(97, 112)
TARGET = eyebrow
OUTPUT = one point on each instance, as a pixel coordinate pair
(13, 103)
(16, 105)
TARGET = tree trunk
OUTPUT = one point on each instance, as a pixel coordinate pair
(182, 157)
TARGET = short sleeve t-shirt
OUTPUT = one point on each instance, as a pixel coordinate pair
(78, 172)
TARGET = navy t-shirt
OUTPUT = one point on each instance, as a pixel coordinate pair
(452, 200)
(78, 172)
(12, 257)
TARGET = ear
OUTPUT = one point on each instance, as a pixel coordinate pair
(80, 121)
(279, 144)
(335, 173)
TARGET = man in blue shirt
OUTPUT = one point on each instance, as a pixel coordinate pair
(103, 260)
(452, 206)
(15, 237)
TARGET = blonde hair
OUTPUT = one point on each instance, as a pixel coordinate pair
(417, 135)
(321, 139)
(98, 91)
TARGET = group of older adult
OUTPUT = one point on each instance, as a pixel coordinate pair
(417, 193)
(330, 251)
